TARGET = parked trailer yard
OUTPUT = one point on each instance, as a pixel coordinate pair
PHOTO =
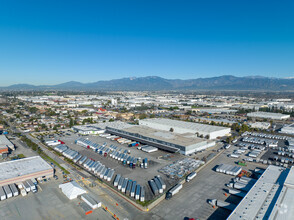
(153, 163)
(191, 200)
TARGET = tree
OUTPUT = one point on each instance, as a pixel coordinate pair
(229, 139)
(71, 122)
(142, 116)
(171, 130)
(111, 120)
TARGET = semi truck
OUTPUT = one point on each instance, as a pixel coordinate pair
(173, 191)
(191, 176)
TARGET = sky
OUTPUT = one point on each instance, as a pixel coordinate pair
(51, 42)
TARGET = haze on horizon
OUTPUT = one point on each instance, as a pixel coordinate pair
(45, 43)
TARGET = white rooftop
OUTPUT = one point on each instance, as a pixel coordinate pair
(257, 204)
(114, 124)
(72, 189)
(4, 141)
(22, 167)
(185, 125)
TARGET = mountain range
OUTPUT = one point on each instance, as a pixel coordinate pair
(155, 83)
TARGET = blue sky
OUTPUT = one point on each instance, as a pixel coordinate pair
(49, 42)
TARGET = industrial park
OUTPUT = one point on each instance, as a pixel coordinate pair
(146, 110)
(154, 159)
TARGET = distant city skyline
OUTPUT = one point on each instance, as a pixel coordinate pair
(46, 43)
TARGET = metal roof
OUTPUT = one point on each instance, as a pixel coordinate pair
(262, 197)
(5, 141)
(194, 127)
(16, 168)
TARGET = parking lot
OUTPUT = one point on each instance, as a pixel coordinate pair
(48, 203)
(154, 161)
(191, 201)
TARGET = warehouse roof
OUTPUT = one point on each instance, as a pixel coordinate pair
(185, 125)
(22, 167)
(261, 199)
(114, 124)
(182, 140)
(267, 114)
(4, 140)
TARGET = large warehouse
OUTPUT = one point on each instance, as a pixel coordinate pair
(185, 143)
(182, 127)
(288, 129)
(4, 142)
(16, 171)
(271, 197)
(268, 115)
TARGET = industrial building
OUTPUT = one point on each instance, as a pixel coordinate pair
(186, 143)
(288, 129)
(4, 143)
(271, 197)
(86, 130)
(16, 171)
(268, 115)
(260, 125)
(182, 127)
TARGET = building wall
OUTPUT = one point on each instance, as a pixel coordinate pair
(47, 173)
(3, 150)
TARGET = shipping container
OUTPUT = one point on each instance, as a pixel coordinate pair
(120, 183)
(82, 160)
(26, 186)
(2, 194)
(158, 185)
(124, 185)
(116, 180)
(161, 181)
(129, 187)
(32, 185)
(104, 169)
(133, 189)
(153, 187)
(110, 175)
(13, 189)
(138, 190)
(142, 194)
(76, 159)
(7, 191)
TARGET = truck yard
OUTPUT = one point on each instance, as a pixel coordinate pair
(154, 164)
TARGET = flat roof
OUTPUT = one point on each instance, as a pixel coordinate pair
(16, 168)
(185, 125)
(260, 200)
(114, 124)
(289, 182)
(267, 114)
(4, 140)
(185, 140)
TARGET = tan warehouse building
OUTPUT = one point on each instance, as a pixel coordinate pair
(16, 171)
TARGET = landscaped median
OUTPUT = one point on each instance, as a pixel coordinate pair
(42, 154)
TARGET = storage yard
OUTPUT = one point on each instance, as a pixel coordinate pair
(74, 143)
(124, 159)
(48, 203)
